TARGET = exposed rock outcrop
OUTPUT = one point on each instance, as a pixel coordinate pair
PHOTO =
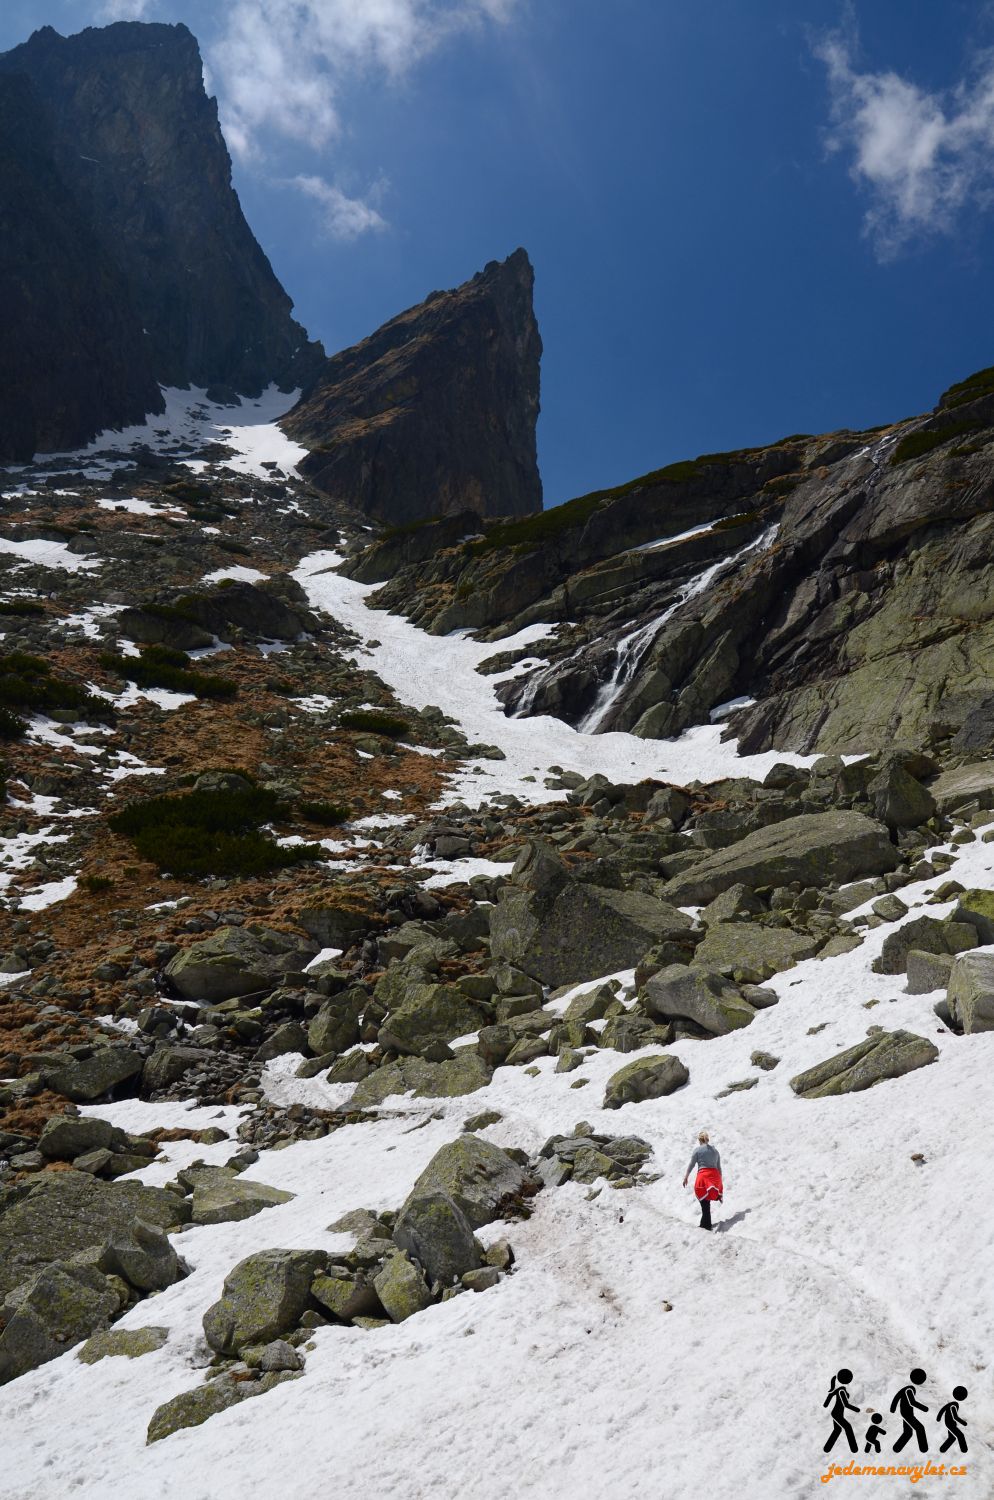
(125, 258)
(435, 412)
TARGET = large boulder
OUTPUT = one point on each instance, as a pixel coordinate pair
(645, 1078)
(192, 1408)
(167, 1064)
(747, 945)
(264, 1297)
(143, 1256)
(60, 1214)
(817, 849)
(429, 1013)
(927, 935)
(965, 786)
(476, 1174)
(885, 1054)
(566, 932)
(238, 961)
(58, 1307)
(463, 1074)
(970, 995)
(223, 1196)
(65, 1137)
(696, 994)
(87, 1078)
(898, 798)
(335, 1028)
(433, 1229)
(401, 1288)
(976, 907)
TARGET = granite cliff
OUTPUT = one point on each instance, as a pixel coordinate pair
(125, 259)
(435, 412)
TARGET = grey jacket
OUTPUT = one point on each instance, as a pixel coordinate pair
(704, 1156)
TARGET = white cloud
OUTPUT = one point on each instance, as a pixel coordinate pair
(124, 10)
(923, 156)
(343, 217)
(280, 64)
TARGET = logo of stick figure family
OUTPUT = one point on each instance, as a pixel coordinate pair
(904, 1407)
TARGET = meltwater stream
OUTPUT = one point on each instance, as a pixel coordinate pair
(632, 649)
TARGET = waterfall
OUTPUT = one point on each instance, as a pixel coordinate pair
(633, 648)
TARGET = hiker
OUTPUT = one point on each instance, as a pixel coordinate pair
(905, 1403)
(838, 1395)
(708, 1186)
(949, 1414)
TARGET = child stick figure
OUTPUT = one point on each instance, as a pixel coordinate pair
(874, 1433)
(954, 1422)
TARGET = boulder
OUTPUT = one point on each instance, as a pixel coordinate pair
(263, 1298)
(464, 1074)
(290, 1037)
(238, 961)
(698, 995)
(65, 1137)
(129, 1343)
(143, 1256)
(59, 1214)
(928, 971)
(646, 1078)
(192, 1408)
(223, 1196)
(401, 1288)
(429, 1013)
(168, 1064)
(928, 936)
(963, 786)
(977, 908)
(747, 945)
(970, 995)
(564, 934)
(630, 1033)
(334, 926)
(433, 1229)
(476, 1174)
(85, 1079)
(897, 798)
(816, 849)
(732, 905)
(885, 1054)
(335, 1028)
(58, 1307)
(347, 1296)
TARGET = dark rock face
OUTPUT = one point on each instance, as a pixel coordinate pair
(125, 259)
(435, 412)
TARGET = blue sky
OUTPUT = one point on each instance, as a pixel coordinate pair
(746, 219)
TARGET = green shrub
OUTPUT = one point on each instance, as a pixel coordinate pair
(373, 722)
(980, 383)
(27, 682)
(157, 666)
(917, 444)
(12, 726)
(21, 607)
(210, 833)
(95, 883)
(325, 814)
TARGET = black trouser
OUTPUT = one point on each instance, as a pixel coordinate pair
(705, 1213)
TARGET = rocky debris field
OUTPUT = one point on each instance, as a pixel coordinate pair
(322, 1015)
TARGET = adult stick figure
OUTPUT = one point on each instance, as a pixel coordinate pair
(954, 1422)
(838, 1396)
(904, 1403)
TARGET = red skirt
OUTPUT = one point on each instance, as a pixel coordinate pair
(708, 1184)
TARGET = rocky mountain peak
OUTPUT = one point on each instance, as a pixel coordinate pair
(133, 266)
(435, 412)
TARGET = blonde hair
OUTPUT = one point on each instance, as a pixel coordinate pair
(704, 1138)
